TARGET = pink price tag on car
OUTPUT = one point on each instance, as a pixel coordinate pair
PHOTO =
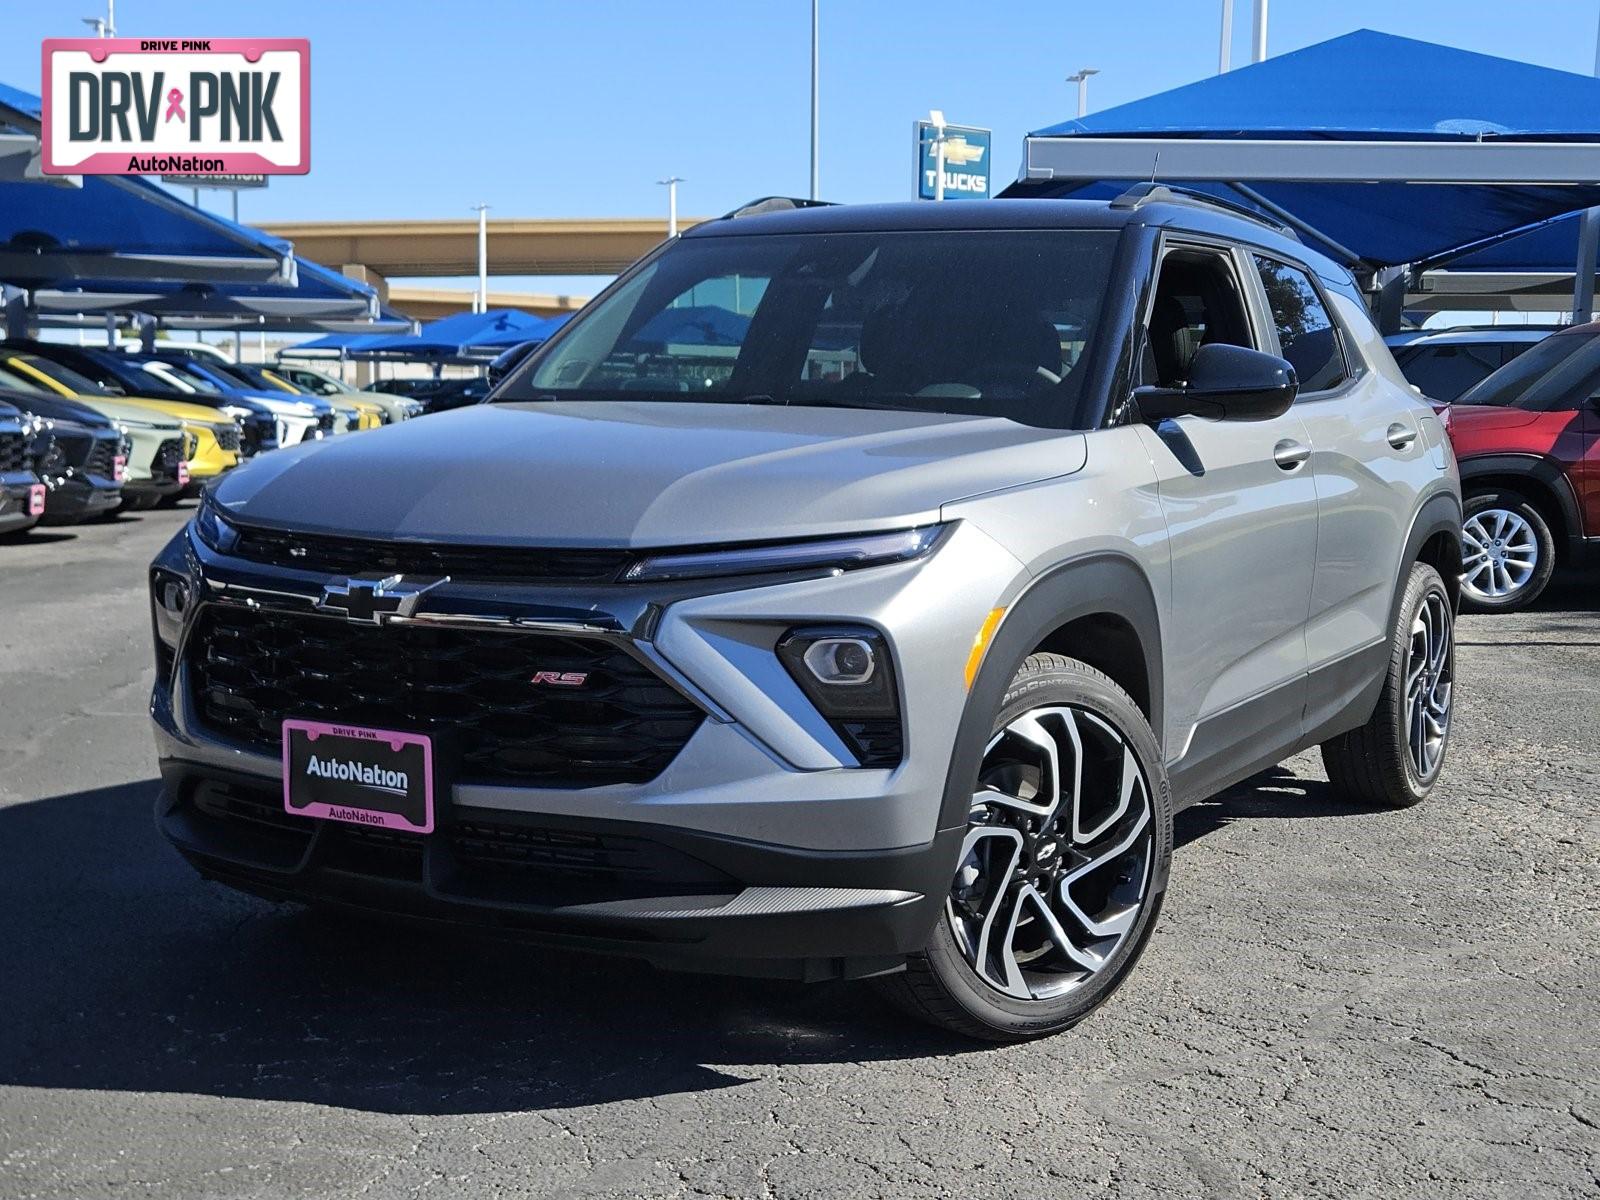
(183, 474)
(36, 500)
(119, 468)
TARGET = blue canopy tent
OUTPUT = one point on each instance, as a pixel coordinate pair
(68, 230)
(695, 325)
(470, 337)
(1379, 150)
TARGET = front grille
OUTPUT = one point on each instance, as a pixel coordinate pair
(101, 459)
(168, 455)
(250, 670)
(227, 436)
(260, 433)
(325, 422)
(354, 556)
(13, 451)
(75, 447)
(878, 742)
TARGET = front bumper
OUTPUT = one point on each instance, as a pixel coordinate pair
(672, 897)
(16, 489)
(785, 857)
(77, 497)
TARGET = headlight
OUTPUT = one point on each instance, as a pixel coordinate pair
(838, 554)
(213, 529)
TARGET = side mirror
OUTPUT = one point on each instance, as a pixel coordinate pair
(1226, 383)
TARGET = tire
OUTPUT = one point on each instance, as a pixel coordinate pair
(1380, 764)
(1091, 722)
(1502, 531)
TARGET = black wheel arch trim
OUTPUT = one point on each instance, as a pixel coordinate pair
(1542, 469)
(1439, 513)
(1100, 584)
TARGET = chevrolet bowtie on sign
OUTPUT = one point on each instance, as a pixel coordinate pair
(154, 106)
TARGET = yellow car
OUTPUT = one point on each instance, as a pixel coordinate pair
(367, 414)
(212, 438)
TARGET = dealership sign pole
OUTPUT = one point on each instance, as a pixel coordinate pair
(154, 106)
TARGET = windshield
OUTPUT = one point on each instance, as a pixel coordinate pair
(1560, 372)
(987, 323)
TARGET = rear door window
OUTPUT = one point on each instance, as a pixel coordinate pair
(1443, 373)
(1307, 336)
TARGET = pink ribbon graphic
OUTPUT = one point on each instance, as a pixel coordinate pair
(174, 106)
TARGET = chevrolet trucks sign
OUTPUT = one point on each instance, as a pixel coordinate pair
(966, 161)
(170, 106)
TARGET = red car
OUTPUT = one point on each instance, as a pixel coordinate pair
(1528, 440)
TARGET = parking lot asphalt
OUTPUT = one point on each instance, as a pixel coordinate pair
(1338, 1002)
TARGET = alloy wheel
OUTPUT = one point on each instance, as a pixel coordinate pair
(1056, 865)
(1499, 554)
(1430, 679)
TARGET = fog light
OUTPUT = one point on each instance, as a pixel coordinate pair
(170, 596)
(848, 662)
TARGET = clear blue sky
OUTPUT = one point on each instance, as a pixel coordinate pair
(420, 109)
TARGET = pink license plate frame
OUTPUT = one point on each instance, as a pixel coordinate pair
(346, 746)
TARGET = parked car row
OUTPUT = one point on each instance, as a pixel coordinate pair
(88, 431)
(1522, 405)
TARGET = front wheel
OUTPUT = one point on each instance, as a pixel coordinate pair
(1063, 867)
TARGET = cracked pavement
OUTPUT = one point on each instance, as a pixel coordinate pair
(1337, 1002)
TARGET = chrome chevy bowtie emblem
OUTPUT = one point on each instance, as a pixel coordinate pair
(370, 599)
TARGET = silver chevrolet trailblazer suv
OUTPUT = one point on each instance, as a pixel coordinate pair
(846, 592)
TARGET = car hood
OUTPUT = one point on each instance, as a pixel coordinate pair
(120, 410)
(194, 414)
(643, 474)
(58, 408)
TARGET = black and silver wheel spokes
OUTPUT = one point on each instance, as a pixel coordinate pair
(1056, 863)
(1499, 554)
(1430, 676)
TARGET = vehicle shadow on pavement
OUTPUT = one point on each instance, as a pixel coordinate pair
(121, 970)
(1275, 792)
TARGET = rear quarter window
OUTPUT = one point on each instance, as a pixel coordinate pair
(1307, 336)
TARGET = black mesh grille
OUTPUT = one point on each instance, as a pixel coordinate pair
(75, 447)
(353, 556)
(102, 458)
(168, 455)
(325, 422)
(13, 452)
(227, 436)
(624, 724)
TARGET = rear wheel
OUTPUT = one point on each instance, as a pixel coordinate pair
(1395, 758)
(1507, 552)
(1063, 867)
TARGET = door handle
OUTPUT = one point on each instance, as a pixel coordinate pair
(1289, 454)
(1401, 436)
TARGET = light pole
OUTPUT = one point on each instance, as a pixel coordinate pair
(1258, 33)
(815, 94)
(483, 257)
(1225, 50)
(1081, 78)
(106, 28)
(671, 183)
(936, 119)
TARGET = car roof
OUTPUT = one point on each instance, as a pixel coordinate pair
(1193, 215)
(1476, 337)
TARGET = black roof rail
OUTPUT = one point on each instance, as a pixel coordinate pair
(1141, 194)
(767, 204)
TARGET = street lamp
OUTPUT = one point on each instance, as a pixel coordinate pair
(1081, 78)
(107, 27)
(483, 257)
(937, 141)
(671, 184)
